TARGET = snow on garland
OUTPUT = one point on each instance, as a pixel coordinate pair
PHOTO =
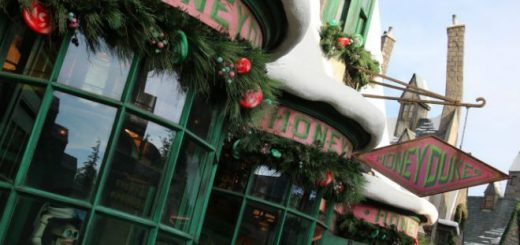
(358, 230)
(169, 39)
(349, 49)
(339, 178)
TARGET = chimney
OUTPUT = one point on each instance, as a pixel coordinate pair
(387, 45)
(454, 81)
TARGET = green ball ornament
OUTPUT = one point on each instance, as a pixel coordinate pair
(276, 153)
(220, 59)
(333, 22)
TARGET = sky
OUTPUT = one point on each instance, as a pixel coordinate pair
(491, 67)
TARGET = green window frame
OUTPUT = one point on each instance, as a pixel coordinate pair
(246, 198)
(12, 191)
(354, 14)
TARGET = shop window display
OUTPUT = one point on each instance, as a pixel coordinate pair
(39, 222)
(296, 230)
(185, 186)
(258, 225)
(269, 184)
(128, 233)
(19, 105)
(71, 146)
(222, 215)
(141, 154)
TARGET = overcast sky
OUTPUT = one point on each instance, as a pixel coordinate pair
(491, 67)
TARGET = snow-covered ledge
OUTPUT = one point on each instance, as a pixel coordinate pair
(303, 72)
(297, 12)
(378, 189)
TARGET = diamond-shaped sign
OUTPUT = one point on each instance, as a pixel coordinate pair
(428, 166)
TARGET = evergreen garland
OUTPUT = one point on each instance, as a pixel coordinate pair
(358, 230)
(128, 26)
(352, 54)
(306, 165)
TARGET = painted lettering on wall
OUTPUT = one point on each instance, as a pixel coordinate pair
(429, 166)
(302, 128)
(384, 218)
(230, 16)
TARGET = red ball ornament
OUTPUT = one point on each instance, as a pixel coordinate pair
(252, 99)
(343, 41)
(329, 177)
(37, 18)
(243, 65)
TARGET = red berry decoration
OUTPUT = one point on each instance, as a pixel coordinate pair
(38, 18)
(251, 99)
(243, 65)
(343, 41)
(329, 177)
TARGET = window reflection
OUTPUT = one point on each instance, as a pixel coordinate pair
(27, 53)
(303, 199)
(101, 72)
(185, 186)
(117, 232)
(258, 225)
(71, 146)
(141, 154)
(39, 222)
(159, 93)
(19, 105)
(269, 184)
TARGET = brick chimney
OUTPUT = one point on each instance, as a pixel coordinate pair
(454, 81)
(387, 45)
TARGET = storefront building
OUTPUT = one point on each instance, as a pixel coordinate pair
(99, 149)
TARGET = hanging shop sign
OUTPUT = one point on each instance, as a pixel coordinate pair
(428, 166)
(233, 17)
(384, 218)
(291, 124)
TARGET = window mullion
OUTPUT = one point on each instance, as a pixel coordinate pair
(26, 159)
(104, 171)
(35, 135)
(243, 206)
(164, 186)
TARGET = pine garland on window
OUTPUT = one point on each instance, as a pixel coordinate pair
(358, 230)
(164, 35)
(339, 178)
(349, 49)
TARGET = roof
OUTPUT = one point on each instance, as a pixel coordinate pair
(425, 126)
(515, 166)
(495, 221)
(381, 190)
(420, 83)
(302, 73)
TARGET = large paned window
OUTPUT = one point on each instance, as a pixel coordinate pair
(353, 14)
(252, 204)
(98, 150)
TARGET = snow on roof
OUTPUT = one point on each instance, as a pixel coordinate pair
(379, 189)
(296, 12)
(303, 72)
(515, 166)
